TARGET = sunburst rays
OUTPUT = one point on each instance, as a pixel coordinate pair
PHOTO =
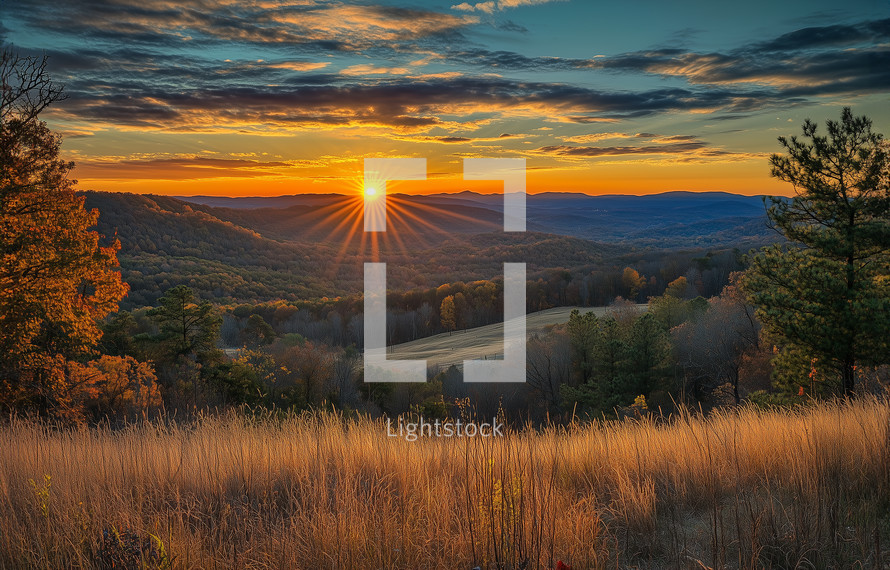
(411, 224)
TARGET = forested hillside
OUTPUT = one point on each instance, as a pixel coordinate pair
(233, 255)
(669, 220)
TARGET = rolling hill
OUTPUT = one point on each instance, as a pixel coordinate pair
(265, 254)
(669, 220)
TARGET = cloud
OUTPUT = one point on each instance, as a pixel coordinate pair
(299, 65)
(688, 151)
(492, 6)
(512, 60)
(321, 26)
(160, 66)
(179, 168)
(367, 69)
(401, 104)
(594, 151)
(458, 139)
(830, 36)
(660, 148)
(851, 70)
(808, 62)
(452, 139)
(596, 137)
(487, 7)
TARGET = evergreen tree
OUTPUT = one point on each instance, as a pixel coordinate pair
(603, 344)
(187, 328)
(582, 330)
(827, 294)
(649, 361)
(257, 331)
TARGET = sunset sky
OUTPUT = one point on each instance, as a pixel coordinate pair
(272, 97)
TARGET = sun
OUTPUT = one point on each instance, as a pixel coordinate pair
(370, 192)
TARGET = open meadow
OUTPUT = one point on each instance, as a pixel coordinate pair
(452, 348)
(741, 488)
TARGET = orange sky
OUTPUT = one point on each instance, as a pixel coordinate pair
(749, 177)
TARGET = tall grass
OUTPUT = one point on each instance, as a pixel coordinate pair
(739, 489)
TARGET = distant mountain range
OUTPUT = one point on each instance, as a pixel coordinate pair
(668, 220)
(311, 246)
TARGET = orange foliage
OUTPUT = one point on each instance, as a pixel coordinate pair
(56, 281)
(113, 385)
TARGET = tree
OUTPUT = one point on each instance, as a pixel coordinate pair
(117, 335)
(582, 331)
(633, 283)
(827, 294)
(114, 386)
(713, 349)
(257, 331)
(187, 328)
(677, 288)
(672, 311)
(448, 313)
(306, 372)
(603, 344)
(650, 356)
(548, 365)
(56, 281)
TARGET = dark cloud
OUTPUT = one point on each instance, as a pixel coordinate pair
(316, 27)
(180, 168)
(204, 162)
(511, 26)
(512, 60)
(808, 62)
(398, 103)
(829, 36)
(684, 36)
(594, 151)
(134, 73)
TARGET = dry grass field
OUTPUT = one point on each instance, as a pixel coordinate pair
(740, 489)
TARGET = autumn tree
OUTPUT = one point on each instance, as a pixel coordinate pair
(56, 281)
(827, 294)
(677, 288)
(114, 386)
(633, 283)
(448, 313)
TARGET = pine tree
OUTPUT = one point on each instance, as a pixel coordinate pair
(649, 363)
(56, 281)
(582, 331)
(827, 293)
(188, 329)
